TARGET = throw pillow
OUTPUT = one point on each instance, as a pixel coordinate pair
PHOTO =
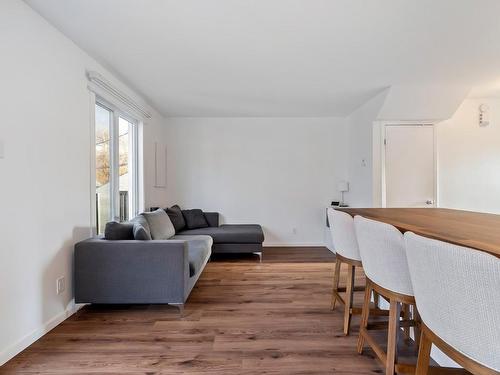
(115, 231)
(141, 229)
(195, 219)
(159, 224)
(175, 215)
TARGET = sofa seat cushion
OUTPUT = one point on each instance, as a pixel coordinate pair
(231, 233)
(199, 250)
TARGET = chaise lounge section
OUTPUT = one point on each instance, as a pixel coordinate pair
(229, 238)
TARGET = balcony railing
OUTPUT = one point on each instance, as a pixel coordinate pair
(123, 202)
(123, 205)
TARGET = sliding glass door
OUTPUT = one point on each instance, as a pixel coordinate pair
(116, 174)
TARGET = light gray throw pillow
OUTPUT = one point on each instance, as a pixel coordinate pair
(141, 228)
(160, 226)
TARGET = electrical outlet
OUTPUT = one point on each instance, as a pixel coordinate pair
(294, 230)
(60, 285)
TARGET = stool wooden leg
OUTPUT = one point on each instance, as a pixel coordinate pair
(336, 278)
(416, 329)
(394, 315)
(424, 354)
(349, 294)
(376, 299)
(406, 316)
(364, 316)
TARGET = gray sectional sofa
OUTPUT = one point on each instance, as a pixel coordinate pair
(153, 259)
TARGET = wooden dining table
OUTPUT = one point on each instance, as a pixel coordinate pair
(475, 230)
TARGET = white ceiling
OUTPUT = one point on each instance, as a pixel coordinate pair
(281, 57)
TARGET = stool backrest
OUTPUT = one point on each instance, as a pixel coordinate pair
(457, 291)
(343, 235)
(382, 250)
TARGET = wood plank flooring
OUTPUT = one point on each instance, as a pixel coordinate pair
(243, 317)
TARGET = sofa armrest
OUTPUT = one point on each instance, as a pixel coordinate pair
(131, 271)
(212, 218)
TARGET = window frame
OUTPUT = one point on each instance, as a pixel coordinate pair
(135, 187)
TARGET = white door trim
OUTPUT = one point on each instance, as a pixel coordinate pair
(383, 128)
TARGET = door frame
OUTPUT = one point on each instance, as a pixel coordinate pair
(383, 125)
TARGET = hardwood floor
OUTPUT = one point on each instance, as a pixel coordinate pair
(243, 317)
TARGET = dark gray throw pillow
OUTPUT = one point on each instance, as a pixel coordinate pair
(175, 215)
(141, 228)
(115, 231)
(194, 219)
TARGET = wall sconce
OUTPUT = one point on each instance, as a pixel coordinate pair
(484, 115)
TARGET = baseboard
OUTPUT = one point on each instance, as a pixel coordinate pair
(30, 338)
(294, 244)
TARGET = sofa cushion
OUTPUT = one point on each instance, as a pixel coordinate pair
(199, 250)
(212, 218)
(141, 228)
(176, 217)
(119, 231)
(159, 224)
(230, 233)
(194, 219)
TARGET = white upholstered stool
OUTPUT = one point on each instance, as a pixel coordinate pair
(457, 290)
(382, 251)
(347, 252)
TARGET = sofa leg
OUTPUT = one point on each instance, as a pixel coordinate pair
(180, 306)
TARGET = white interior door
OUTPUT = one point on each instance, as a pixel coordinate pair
(409, 166)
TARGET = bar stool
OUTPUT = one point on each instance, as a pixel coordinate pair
(347, 251)
(382, 251)
(457, 290)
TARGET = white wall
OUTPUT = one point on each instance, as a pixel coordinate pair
(360, 128)
(278, 172)
(469, 159)
(45, 173)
